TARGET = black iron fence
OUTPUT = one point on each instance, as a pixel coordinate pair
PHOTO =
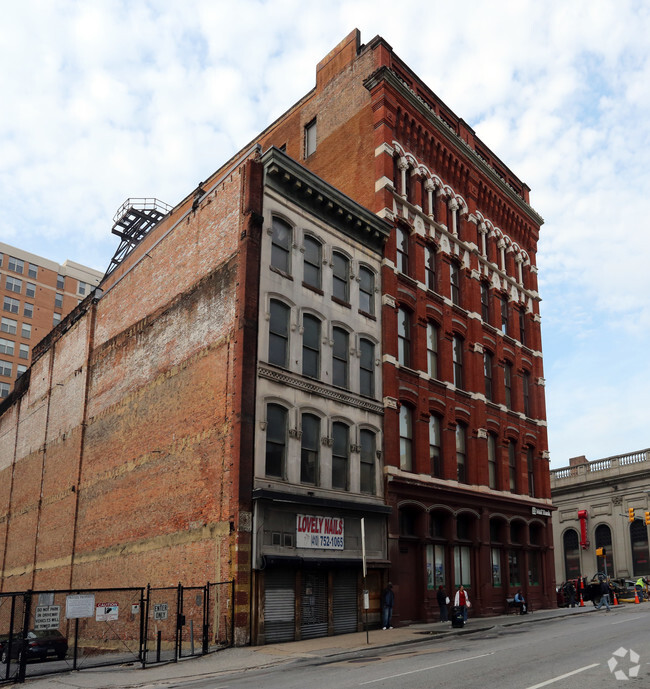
(44, 632)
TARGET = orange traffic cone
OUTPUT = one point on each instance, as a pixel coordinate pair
(582, 603)
(615, 599)
(636, 597)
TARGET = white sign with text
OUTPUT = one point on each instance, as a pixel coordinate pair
(319, 532)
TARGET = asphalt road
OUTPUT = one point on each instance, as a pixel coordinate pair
(569, 653)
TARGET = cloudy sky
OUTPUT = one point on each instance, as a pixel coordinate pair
(104, 100)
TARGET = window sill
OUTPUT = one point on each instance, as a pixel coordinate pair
(280, 272)
(346, 304)
(367, 315)
(312, 288)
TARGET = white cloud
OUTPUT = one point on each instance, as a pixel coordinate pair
(111, 99)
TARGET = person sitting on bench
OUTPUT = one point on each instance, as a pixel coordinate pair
(520, 602)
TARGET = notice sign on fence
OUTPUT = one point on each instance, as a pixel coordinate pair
(47, 617)
(319, 532)
(79, 605)
(105, 612)
(160, 611)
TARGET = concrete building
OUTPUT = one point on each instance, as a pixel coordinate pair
(604, 503)
(352, 333)
(36, 294)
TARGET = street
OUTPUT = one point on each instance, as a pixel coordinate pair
(569, 653)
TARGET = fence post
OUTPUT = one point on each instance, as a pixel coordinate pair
(206, 616)
(179, 621)
(22, 658)
(144, 622)
(232, 613)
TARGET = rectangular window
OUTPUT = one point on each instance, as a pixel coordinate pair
(432, 350)
(32, 270)
(58, 301)
(530, 467)
(526, 392)
(436, 561)
(367, 459)
(492, 460)
(312, 263)
(403, 337)
(6, 347)
(340, 455)
(4, 390)
(26, 331)
(457, 355)
(487, 374)
(30, 290)
(20, 369)
(13, 284)
(340, 277)
(513, 565)
(279, 333)
(435, 442)
(12, 305)
(9, 325)
(56, 319)
(454, 280)
(367, 368)
(6, 368)
(522, 326)
(310, 138)
(405, 438)
(23, 351)
(81, 288)
(507, 380)
(402, 250)
(276, 440)
(16, 265)
(461, 452)
(504, 315)
(311, 327)
(485, 302)
(512, 466)
(340, 358)
(366, 291)
(310, 449)
(430, 267)
(60, 282)
(28, 310)
(462, 569)
(496, 567)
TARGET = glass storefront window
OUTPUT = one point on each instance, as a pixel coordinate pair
(533, 568)
(513, 564)
(435, 566)
(496, 567)
(462, 572)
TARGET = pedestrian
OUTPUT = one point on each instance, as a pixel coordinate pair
(387, 602)
(461, 600)
(604, 595)
(571, 593)
(443, 602)
(520, 602)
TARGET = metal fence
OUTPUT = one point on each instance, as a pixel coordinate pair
(44, 632)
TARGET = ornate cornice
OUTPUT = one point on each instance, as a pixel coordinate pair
(314, 388)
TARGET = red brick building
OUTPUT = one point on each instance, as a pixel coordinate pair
(36, 294)
(170, 428)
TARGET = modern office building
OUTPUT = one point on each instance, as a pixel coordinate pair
(36, 295)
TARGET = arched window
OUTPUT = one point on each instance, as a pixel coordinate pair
(311, 327)
(340, 277)
(276, 440)
(454, 281)
(367, 458)
(404, 337)
(457, 355)
(405, 438)
(402, 255)
(430, 266)
(279, 333)
(639, 542)
(340, 455)
(367, 368)
(507, 382)
(281, 239)
(571, 554)
(310, 450)
(432, 349)
(312, 262)
(366, 291)
(492, 461)
(435, 446)
(488, 363)
(485, 302)
(603, 538)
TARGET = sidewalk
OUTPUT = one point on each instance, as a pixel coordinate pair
(259, 657)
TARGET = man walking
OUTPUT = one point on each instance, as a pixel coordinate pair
(604, 595)
(387, 602)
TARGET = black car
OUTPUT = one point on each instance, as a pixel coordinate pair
(40, 644)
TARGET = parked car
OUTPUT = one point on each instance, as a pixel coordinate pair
(40, 644)
(624, 588)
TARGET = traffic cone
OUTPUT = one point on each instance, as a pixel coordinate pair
(582, 603)
(636, 597)
(615, 599)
